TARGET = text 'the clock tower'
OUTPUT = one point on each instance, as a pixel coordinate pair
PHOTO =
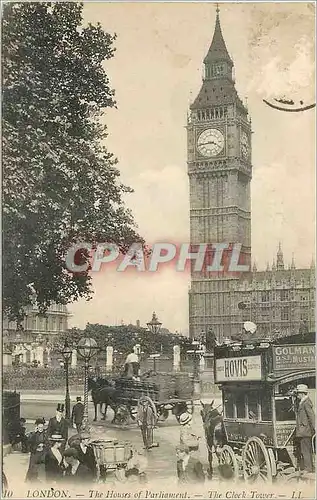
(220, 171)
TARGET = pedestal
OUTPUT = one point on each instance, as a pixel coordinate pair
(176, 358)
(109, 359)
(74, 359)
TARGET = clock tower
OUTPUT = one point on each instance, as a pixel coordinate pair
(220, 171)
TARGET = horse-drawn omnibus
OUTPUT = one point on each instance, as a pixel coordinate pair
(255, 435)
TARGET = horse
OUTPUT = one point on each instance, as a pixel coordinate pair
(214, 431)
(103, 393)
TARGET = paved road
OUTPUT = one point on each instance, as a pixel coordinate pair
(161, 461)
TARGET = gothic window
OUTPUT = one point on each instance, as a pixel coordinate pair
(265, 296)
(284, 295)
(285, 314)
(266, 313)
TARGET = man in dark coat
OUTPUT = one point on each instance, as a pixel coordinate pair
(305, 427)
(58, 425)
(189, 469)
(37, 445)
(78, 414)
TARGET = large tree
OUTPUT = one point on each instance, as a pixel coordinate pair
(60, 183)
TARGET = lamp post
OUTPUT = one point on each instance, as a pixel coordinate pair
(67, 354)
(197, 351)
(154, 325)
(87, 348)
(154, 357)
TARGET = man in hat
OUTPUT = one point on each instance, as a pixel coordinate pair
(54, 463)
(146, 418)
(85, 455)
(305, 427)
(78, 414)
(189, 469)
(37, 446)
(58, 424)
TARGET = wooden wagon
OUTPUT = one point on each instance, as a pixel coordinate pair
(165, 393)
(257, 379)
(110, 455)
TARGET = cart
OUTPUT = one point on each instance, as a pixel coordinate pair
(165, 393)
(258, 425)
(111, 456)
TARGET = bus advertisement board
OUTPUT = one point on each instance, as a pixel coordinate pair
(294, 357)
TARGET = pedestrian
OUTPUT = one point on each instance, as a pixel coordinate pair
(17, 434)
(75, 472)
(147, 419)
(305, 428)
(54, 464)
(187, 437)
(78, 414)
(189, 469)
(86, 456)
(37, 446)
(137, 462)
(58, 425)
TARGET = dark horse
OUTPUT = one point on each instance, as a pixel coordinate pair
(214, 431)
(103, 392)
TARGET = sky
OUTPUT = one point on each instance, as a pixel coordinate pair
(156, 72)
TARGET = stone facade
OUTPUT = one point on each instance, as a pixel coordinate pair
(220, 172)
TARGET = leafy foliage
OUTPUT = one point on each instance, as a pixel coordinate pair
(123, 338)
(60, 184)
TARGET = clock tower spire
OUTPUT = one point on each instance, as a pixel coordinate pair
(220, 171)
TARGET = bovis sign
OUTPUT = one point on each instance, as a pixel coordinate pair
(294, 357)
(238, 369)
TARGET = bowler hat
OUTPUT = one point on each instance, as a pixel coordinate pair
(302, 388)
(56, 438)
(185, 418)
(60, 407)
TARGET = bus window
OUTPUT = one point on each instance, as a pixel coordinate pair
(240, 405)
(266, 407)
(228, 405)
(253, 412)
(284, 409)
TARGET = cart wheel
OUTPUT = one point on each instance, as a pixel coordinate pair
(256, 461)
(228, 462)
(162, 414)
(122, 415)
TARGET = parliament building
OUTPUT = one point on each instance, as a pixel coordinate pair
(281, 299)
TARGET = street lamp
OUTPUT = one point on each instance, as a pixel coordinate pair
(154, 325)
(197, 352)
(87, 348)
(67, 354)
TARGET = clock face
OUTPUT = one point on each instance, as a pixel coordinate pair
(210, 142)
(245, 146)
